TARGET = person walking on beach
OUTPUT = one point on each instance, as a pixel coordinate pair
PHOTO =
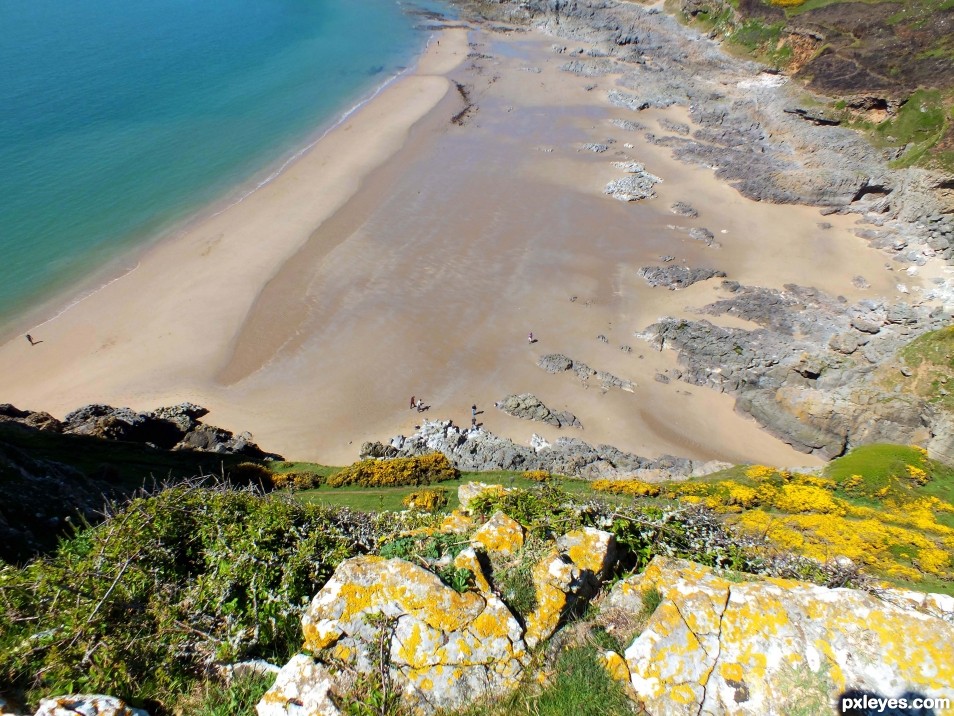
(473, 410)
(420, 405)
(30, 338)
(530, 337)
(413, 403)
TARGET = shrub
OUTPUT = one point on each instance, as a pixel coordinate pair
(214, 698)
(250, 473)
(397, 472)
(141, 604)
(296, 481)
(805, 498)
(429, 499)
(636, 488)
(537, 475)
(514, 579)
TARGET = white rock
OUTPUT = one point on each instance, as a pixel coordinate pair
(301, 689)
(87, 705)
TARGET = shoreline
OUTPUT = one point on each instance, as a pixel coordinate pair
(411, 251)
(42, 311)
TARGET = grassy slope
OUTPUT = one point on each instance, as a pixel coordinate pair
(374, 499)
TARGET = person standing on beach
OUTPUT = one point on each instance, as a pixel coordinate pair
(413, 403)
(530, 337)
(473, 410)
(30, 338)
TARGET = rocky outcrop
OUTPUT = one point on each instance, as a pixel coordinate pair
(440, 649)
(529, 407)
(56, 474)
(805, 372)
(87, 705)
(559, 363)
(478, 450)
(637, 185)
(721, 646)
(708, 641)
(170, 428)
(676, 277)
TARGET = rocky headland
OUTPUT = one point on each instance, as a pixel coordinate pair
(56, 475)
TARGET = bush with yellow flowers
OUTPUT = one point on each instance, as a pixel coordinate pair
(397, 472)
(635, 488)
(537, 475)
(428, 499)
(296, 480)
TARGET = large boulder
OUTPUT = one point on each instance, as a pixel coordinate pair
(773, 646)
(87, 705)
(500, 535)
(566, 578)
(443, 649)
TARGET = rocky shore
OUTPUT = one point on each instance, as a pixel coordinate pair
(479, 450)
(808, 369)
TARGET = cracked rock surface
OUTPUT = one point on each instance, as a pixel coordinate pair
(715, 646)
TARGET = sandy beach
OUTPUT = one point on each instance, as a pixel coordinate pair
(409, 254)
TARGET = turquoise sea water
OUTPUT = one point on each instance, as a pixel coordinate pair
(117, 119)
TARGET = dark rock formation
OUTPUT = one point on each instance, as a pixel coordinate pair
(559, 363)
(805, 373)
(674, 277)
(529, 407)
(170, 428)
(58, 475)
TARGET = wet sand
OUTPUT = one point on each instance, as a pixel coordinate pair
(406, 254)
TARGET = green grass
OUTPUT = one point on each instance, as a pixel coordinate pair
(313, 468)
(815, 4)
(875, 463)
(376, 499)
(215, 698)
(581, 687)
(920, 124)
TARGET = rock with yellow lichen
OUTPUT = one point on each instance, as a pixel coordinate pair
(469, 490)
(566, 577)
(499, 535)
(457, 523)
(302, 688)
(442, 648)
(771, 646)
(590, 549)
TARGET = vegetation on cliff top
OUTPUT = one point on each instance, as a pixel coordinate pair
(887, 508)
(898, 83)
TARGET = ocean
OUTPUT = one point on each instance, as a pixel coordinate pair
(118, 120)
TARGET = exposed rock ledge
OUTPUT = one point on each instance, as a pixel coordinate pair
(478, 450)
(529, 407)
(716, 644)
(807, 371)
(175, 427)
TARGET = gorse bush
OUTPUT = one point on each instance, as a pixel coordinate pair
(537, 475)
(143, 603)
(637, 488)
(428, 499)
(296, 480)
(423, 470)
